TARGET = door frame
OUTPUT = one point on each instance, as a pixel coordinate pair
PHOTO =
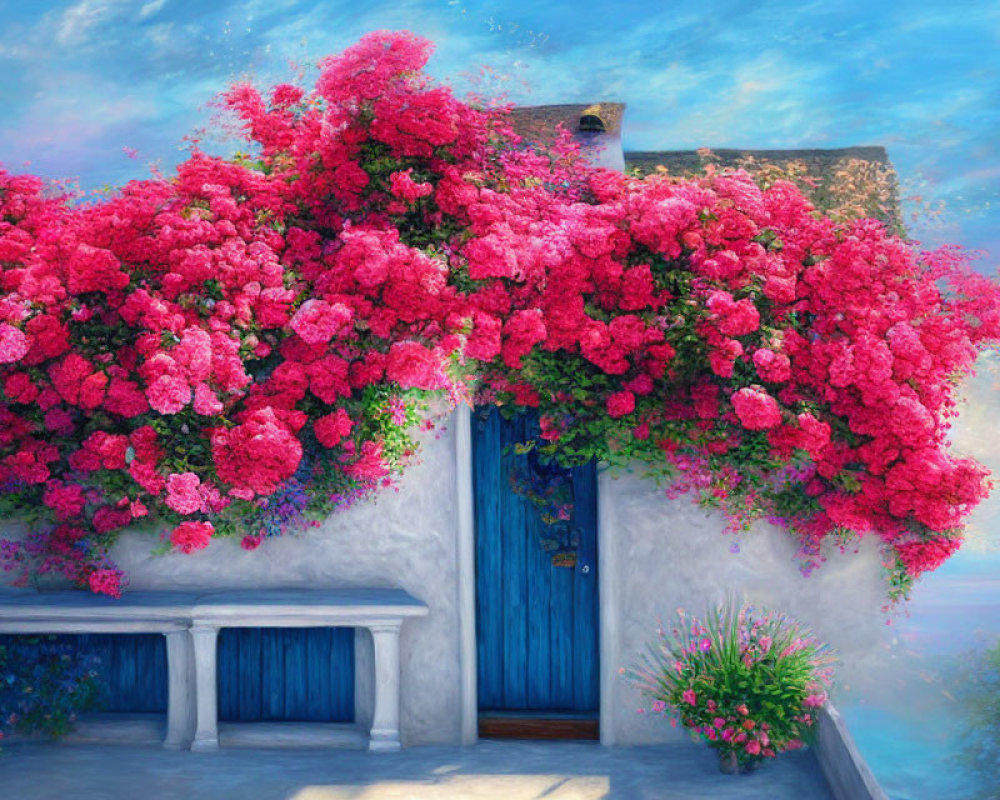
(607, 591)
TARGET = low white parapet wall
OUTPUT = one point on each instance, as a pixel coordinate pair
(845, 768)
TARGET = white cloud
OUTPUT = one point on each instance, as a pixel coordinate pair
(76, 22)
(151, 8)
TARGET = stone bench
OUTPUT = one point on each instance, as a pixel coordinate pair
(190, 621)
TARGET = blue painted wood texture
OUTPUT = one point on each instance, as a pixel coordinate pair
(265, 674)
(286, 674)
(537, 624)
(133, 667)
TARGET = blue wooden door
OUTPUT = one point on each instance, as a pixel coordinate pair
(537, 622)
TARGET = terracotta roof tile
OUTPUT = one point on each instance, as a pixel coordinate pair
(538, 123)
(679, 162)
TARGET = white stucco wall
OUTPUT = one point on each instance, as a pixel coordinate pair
(405, 539)
(663, 554)
(669, 554)
(607, 151)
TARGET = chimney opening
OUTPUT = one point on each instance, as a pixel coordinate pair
(591, 123)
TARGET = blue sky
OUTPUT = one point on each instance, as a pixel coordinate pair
(84, 79)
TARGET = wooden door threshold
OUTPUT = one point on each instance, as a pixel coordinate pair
(538, 725)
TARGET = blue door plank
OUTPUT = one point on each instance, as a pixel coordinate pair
(124, 666)
(341, 672)
(227, 675)
(539, 586)
(562, 627)
(489, 609)
(296, 674)
(247, 670)
(151, 672)
(318, 691)
(586, 695)
(272, 669)
(133, 667)
(513, 539)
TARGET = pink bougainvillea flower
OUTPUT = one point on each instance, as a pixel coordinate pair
(13, 344)
(251, 542)
(370, 465)
(65, 499)
(317, 322)
(412, 365)
(168, 394)
(756, 409)
(106, 581)
(191, 535)
(258, 454)
(182, 493)
(735, 318)
(620, 404)
(332, 428)
(403, 186)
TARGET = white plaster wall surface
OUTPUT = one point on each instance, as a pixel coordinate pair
(607, 152)
(671, 554)
(404, 539)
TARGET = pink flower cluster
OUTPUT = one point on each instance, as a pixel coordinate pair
(190, 346)
(751, 693)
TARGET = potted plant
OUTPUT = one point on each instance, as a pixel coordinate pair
(746, 681)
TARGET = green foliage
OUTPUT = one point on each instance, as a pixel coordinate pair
(747, 682)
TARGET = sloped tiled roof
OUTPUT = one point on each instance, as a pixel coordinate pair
(538, 123)
(680, 162)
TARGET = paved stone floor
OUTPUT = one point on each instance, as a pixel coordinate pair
(492, 769)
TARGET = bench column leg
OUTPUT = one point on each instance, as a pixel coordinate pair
(180, 690)
(384, 735)
(206, 735)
